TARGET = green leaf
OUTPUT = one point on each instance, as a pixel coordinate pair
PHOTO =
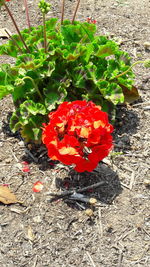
(106, 50)
(113, 92)
(30, 107)
(78, 32)
(51, 24)
(15, 124)
(5, 90)
(55, 94)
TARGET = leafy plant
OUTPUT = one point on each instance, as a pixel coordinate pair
(57, 62)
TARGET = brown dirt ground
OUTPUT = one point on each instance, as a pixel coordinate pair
(60, 234)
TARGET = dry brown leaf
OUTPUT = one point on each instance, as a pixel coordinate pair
(130, 95)
(6, 197)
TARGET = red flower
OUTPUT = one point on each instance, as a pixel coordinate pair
(78, 133)
(91, 20)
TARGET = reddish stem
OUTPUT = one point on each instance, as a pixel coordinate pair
(27, 14)
(62, 11)
(75, 12)
(17, 29)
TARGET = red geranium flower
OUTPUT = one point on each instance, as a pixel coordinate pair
(91, 20)
(78, 133)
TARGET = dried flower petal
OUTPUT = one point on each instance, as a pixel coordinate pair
(25, 166)
(37, 187)
(25, 169)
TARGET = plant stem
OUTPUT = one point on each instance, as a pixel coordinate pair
(14, 41)
(37, 89)
(62, 11)
(125, 72)
(75, 12)
(19, 33)
(44, 33)
(27, 14)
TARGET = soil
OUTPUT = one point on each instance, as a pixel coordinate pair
(40, 233)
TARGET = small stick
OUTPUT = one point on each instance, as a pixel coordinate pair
(71, 192)
(90, 258)
(132, 180)
(147, 108)
(31, 155)
(120, 259)
(126, 234)
(62, 11)
(141, 104)
(75, 12)
(100, 223)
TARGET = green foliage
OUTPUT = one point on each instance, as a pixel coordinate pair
(77, 64)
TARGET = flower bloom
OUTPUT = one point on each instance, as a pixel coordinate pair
(37, 187)
(91, 20)
(78, 133)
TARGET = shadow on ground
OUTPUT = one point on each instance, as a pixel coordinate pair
(126, 125)
(105, 193)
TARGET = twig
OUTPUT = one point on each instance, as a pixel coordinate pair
(14, 155)
(132, 180)
(141, 104)
(31, 155)
(100, 227)
(90, 258)
(125, 185)
(80, 197)
(146, 231)
(35, 262)
(126, 234)
(120, 259)
(71, 192)
(147, 108)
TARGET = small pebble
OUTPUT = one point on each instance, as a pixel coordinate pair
(147, 45)
(93, 201)
(8, 160)
(147, 182)
(37, 219)
(21, 143)
(89, 212)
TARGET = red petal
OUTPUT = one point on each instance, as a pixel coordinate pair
(37, 187)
